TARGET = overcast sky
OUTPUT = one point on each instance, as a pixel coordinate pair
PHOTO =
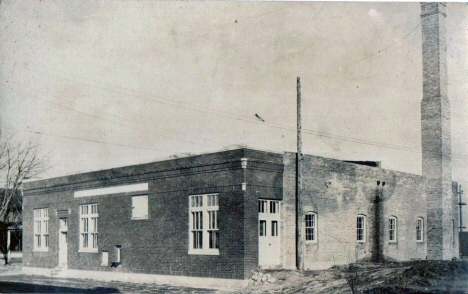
(113, 83)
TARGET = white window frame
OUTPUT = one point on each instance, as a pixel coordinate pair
(311, 225)
(208, 206)
(41, 230)
(393, 229)
(420, 229)
(145, 216)
(89, 228)
(364, 228)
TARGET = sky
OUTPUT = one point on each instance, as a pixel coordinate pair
(112, 83)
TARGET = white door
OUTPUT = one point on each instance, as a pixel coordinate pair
(269, 243)
(63, 246)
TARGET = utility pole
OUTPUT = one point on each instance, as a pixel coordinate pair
(299, 159)
(460, 204)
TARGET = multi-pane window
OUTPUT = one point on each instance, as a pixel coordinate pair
(274, 206)
(392, 229)
(213, 229)
(197, 229)
(41, 229)
(89, 216)
(269, 206)
(419, 229)
(361, 228)
(262, 206)
(204, 224)
(311, 226)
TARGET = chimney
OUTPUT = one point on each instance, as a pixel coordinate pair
(436, 145)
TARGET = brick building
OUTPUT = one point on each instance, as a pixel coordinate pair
(216, 217)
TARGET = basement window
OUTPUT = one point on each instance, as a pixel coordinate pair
(105, 258)
(419, 229)
(118, 253)
(118, 256)
(361, 229)
(392, 229)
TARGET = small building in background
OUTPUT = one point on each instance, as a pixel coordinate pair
(11, 232)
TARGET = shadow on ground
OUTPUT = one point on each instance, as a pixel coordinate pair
(19, 287)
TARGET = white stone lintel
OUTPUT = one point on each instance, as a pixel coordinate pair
(112, 190)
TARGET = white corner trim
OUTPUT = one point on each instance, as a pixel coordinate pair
(111, 190)
(244, 162)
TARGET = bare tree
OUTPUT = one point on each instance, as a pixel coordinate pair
(18, 162)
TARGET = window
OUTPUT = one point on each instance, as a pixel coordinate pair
(419, 229)
(140, 207)
(213, 229)
(263, 228)
(41, 229)
(361, 229)
(89, 228)
(310, 226)
(204, 224)
(274, 228)
(262, 206)
(274, 206)
(392, 229)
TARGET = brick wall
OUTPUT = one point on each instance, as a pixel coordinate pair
(159, 244)
(338, 192)
(436, 134)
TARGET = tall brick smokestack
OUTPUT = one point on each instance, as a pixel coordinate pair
(436, 145)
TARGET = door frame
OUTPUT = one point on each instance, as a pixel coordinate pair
(63, 246)
(269, 215)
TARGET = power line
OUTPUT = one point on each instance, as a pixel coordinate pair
(273, 125)
(243, 118)
(183, 103)
(108, 114)
(89, 140)
(384, 48)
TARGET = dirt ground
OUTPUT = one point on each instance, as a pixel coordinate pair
(402, 277)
